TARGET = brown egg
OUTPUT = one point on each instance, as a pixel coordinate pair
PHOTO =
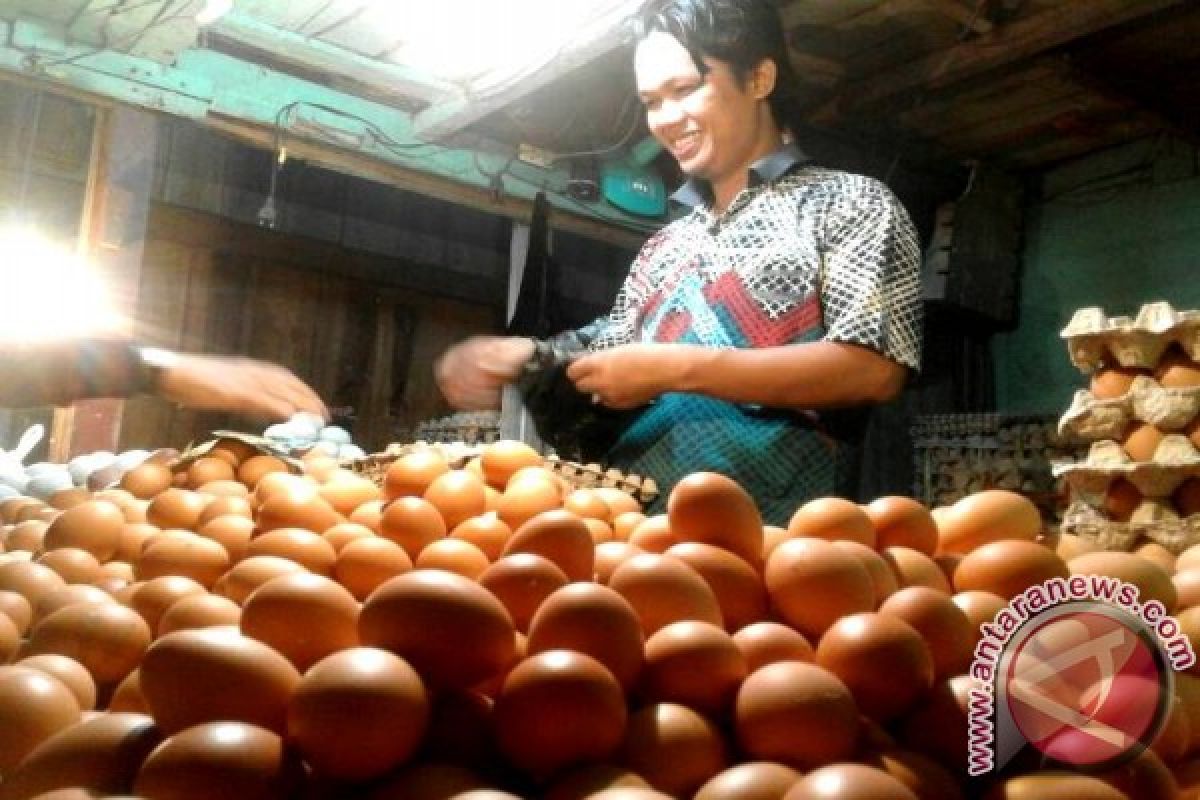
(358, 714)
(133, 537)
(343, 533)
(199, 611)
(663, 590)
(230, 491)
(410, 475)
(1176, 371)
(694, 664)
(146, 481)
(94, 526)
(594, 620)
(72, 564)
(521, 582)
(232, 531)
(177, 508)
(234, 451)
(832, 518)
(923, 776)
(812, 583)
(301, 488)
(797, 714)
(70, 595)
(611, 555)
(296, 510)
(589, 780)
(849, 782)
(114, 571)
(619, 501)
(1121, 499)
(1187, 497)
(107, 638)
(1051, 785)
(625, 523)
(363, 564)
(424, 616)
(882, 659)
(153, 597)
(525, 498)
(1145, 778)
(586, 503)
(1153, 582)
(32, 581)
(487, 532)
(988, 516)
(946, 630)
(247, 575)
(1114, 381)
(208, 469)
(1070, 545)
(883, 579)
(190, 555)
(755, 780)
(346, 491)
(102, 754)
(227, 759)
(33, 707)
(412, 523)
(558, 709)
(902, 521)
(459, 729)
(765, 643)
(560, 537)
(29, 536)
(654, 535)
(1174, 740)
(1186, 582)
(1156, 554)
(221, 506)
(500, 460)
(937, 727)
(255, 468)
(69, 498)
(13, 506)
(979, 608)
(454, 555)
(1188, 559)
(191, 677)
(674, 748)
(72, 674)
(738, 587)
(1008, 568)
(303, 546)
(329, 615)
(457, 495)
(710, 508)
(16, 608)
(1141, 441)
(427, 782)
(128, 697)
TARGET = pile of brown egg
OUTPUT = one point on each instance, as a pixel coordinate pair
(233, 630)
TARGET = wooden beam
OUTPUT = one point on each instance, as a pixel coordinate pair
(1004, 45)
(971, 18)
(448, 118)
(287, 47)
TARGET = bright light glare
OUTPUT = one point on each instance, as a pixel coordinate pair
(212, 11)
(48, 292)
(493, 39)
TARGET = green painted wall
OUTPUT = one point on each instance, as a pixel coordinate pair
(1115, 230)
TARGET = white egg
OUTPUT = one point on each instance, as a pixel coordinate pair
(46, 484)
(131, 458)
(335, 434)
(350, 452)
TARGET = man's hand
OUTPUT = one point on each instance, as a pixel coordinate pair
(632, 375)
(472, 373)
(211, 383)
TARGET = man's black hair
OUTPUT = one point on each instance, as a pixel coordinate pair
(739, 32)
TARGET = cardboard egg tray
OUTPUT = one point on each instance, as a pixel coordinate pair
(1154, 520)
(1175, 460)
(1090, 419)
(1094, 338)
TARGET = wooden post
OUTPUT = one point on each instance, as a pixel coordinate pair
(373, 428)
(113, 236)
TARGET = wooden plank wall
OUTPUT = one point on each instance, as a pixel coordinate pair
(216, 286)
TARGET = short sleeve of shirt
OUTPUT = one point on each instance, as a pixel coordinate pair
(870, 288)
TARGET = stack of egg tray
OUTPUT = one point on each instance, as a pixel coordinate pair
(1094, 341)
(471, 427)
(457, 454)
(959, 454)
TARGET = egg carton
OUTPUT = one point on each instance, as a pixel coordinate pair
(457, 454)
(1094, 338)
(1175, 460)
(1090, 418)
(261, 444)
(1153, 520)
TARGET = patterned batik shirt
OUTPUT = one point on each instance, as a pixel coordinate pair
(802, 254)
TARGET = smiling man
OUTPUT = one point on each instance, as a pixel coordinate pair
(751, 334)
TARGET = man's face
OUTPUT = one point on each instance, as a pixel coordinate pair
(708, 122)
